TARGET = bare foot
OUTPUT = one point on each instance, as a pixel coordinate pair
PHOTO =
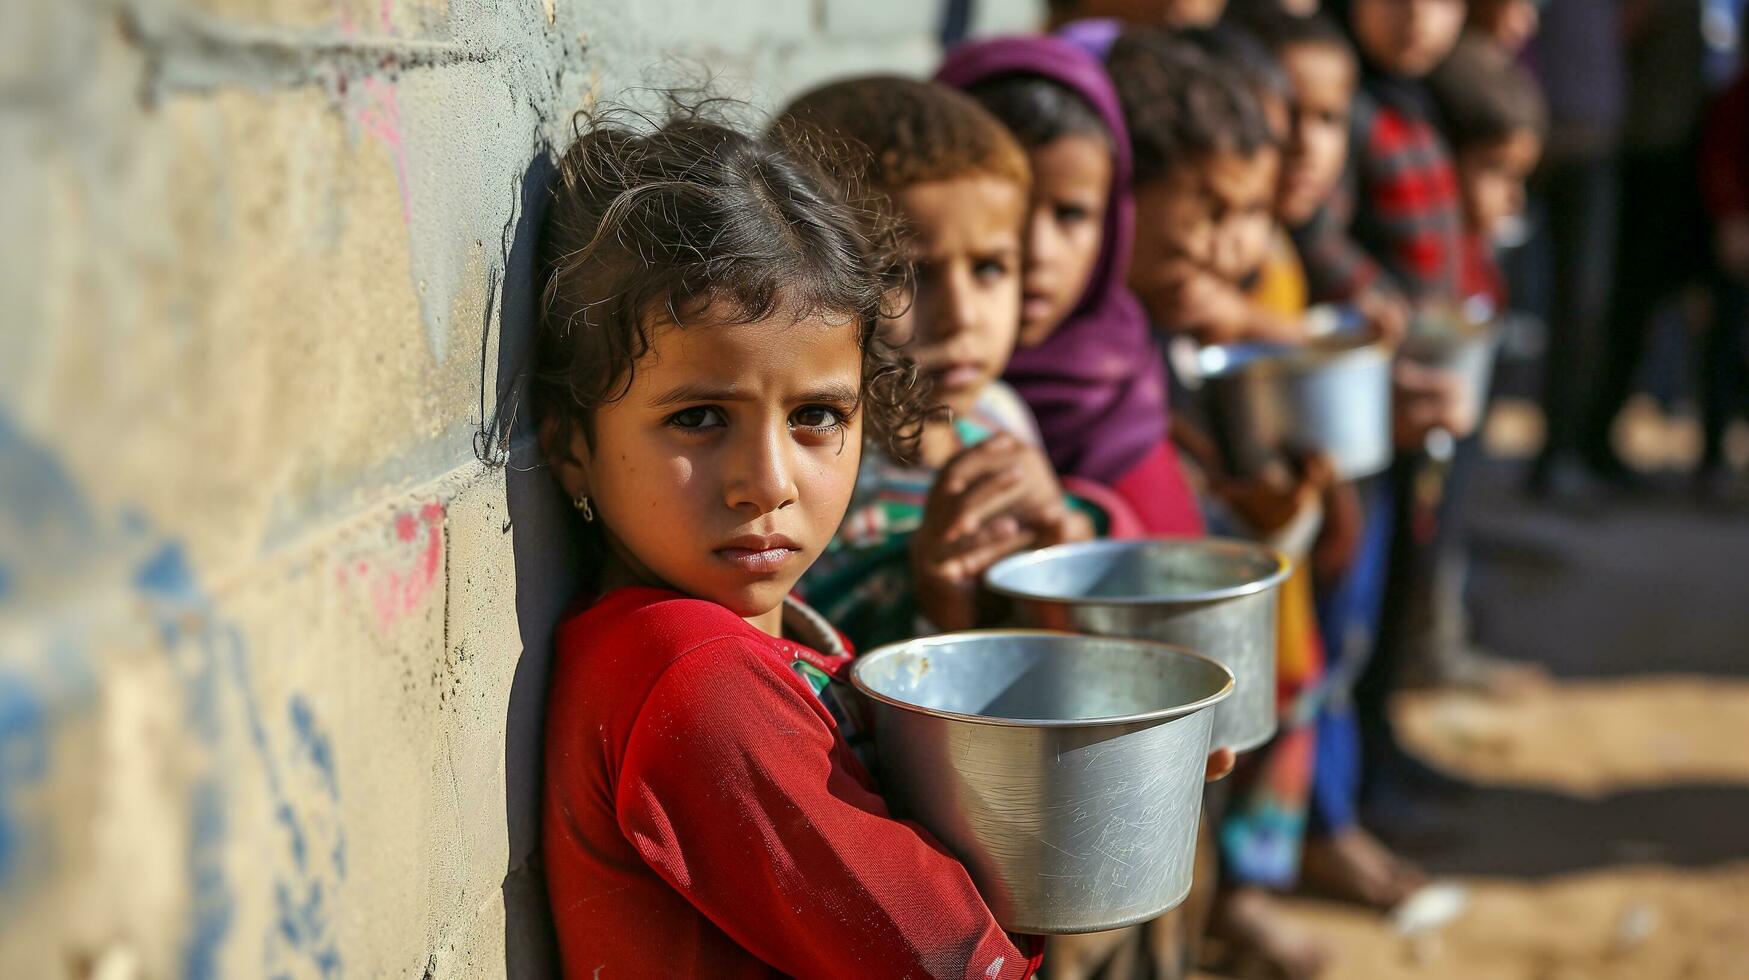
(1264, 941)
(1352, 864)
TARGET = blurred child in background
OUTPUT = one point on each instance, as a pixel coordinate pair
(1207, 179)
(1492, 115)
(1407, 215)
(1206, 164)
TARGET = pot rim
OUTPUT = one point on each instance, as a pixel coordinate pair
(1333, 352)
(941, 639)
(1226, 545)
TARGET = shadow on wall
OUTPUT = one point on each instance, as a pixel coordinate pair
(543, 530)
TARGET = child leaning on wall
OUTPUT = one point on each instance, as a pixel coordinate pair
(1086, 362)
(706, 373)
(921, 531)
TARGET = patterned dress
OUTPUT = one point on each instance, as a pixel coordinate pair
(862, 584)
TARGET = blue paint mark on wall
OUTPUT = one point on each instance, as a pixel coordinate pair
(165, 580)
(210, 913)
(24, 756)
(314, 743)
(49, 538)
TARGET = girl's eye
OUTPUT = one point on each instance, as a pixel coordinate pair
(818, 417)
(695, 419)
(990, 270)
(1070, 214)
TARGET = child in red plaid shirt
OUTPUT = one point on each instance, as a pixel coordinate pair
(1407, 216)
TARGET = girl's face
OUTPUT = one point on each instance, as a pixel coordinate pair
(727, 466)
(1071, 184)
(1407, 37)
(1323, 78)
(966, 310)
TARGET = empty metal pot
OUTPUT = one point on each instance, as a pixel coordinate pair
(1330, 396)
(1455, 340)
(1065, 771)
(1212, 595)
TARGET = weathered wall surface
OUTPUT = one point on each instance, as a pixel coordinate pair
(272, 638)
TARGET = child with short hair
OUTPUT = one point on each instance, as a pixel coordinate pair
(1201, 124)
(1087, 363)
(921, 531)
(706, 372)
(1493, 116)
(1205, 166)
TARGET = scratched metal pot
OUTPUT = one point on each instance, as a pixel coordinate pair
(1212, 595)
(1330, 396)
(1065, 771)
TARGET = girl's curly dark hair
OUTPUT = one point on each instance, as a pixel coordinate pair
(658, 218)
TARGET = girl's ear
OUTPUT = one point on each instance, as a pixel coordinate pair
(558, 446)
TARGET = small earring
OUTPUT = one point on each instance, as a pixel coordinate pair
(582, 504)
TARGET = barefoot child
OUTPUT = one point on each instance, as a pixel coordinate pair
(1087, 363)
(920, 533)
(1211, 133)
(1408, 219)
(705, 377)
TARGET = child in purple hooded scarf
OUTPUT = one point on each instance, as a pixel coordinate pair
(1086, 361)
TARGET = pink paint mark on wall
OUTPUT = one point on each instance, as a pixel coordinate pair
(378, 109)
(398, 578)
(380, 116)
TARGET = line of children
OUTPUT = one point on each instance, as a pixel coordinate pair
(915, 328)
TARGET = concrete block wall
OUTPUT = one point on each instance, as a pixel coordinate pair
(273, 639)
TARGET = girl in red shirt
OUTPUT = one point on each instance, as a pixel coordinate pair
(705, 371)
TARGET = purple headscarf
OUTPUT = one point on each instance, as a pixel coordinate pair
(1097, 384)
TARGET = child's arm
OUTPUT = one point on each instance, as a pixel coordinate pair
(729, 791)
(1339, 271)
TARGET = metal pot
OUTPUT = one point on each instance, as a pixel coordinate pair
(1455, 340)
(1330, 396)
(1065, 771)
(1212, 595)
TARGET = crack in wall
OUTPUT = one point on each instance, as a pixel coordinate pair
(190, 52)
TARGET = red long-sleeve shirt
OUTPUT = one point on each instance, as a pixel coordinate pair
(704, 816)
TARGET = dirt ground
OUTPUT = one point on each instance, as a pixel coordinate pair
(1637, 922)
(1587, 736)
